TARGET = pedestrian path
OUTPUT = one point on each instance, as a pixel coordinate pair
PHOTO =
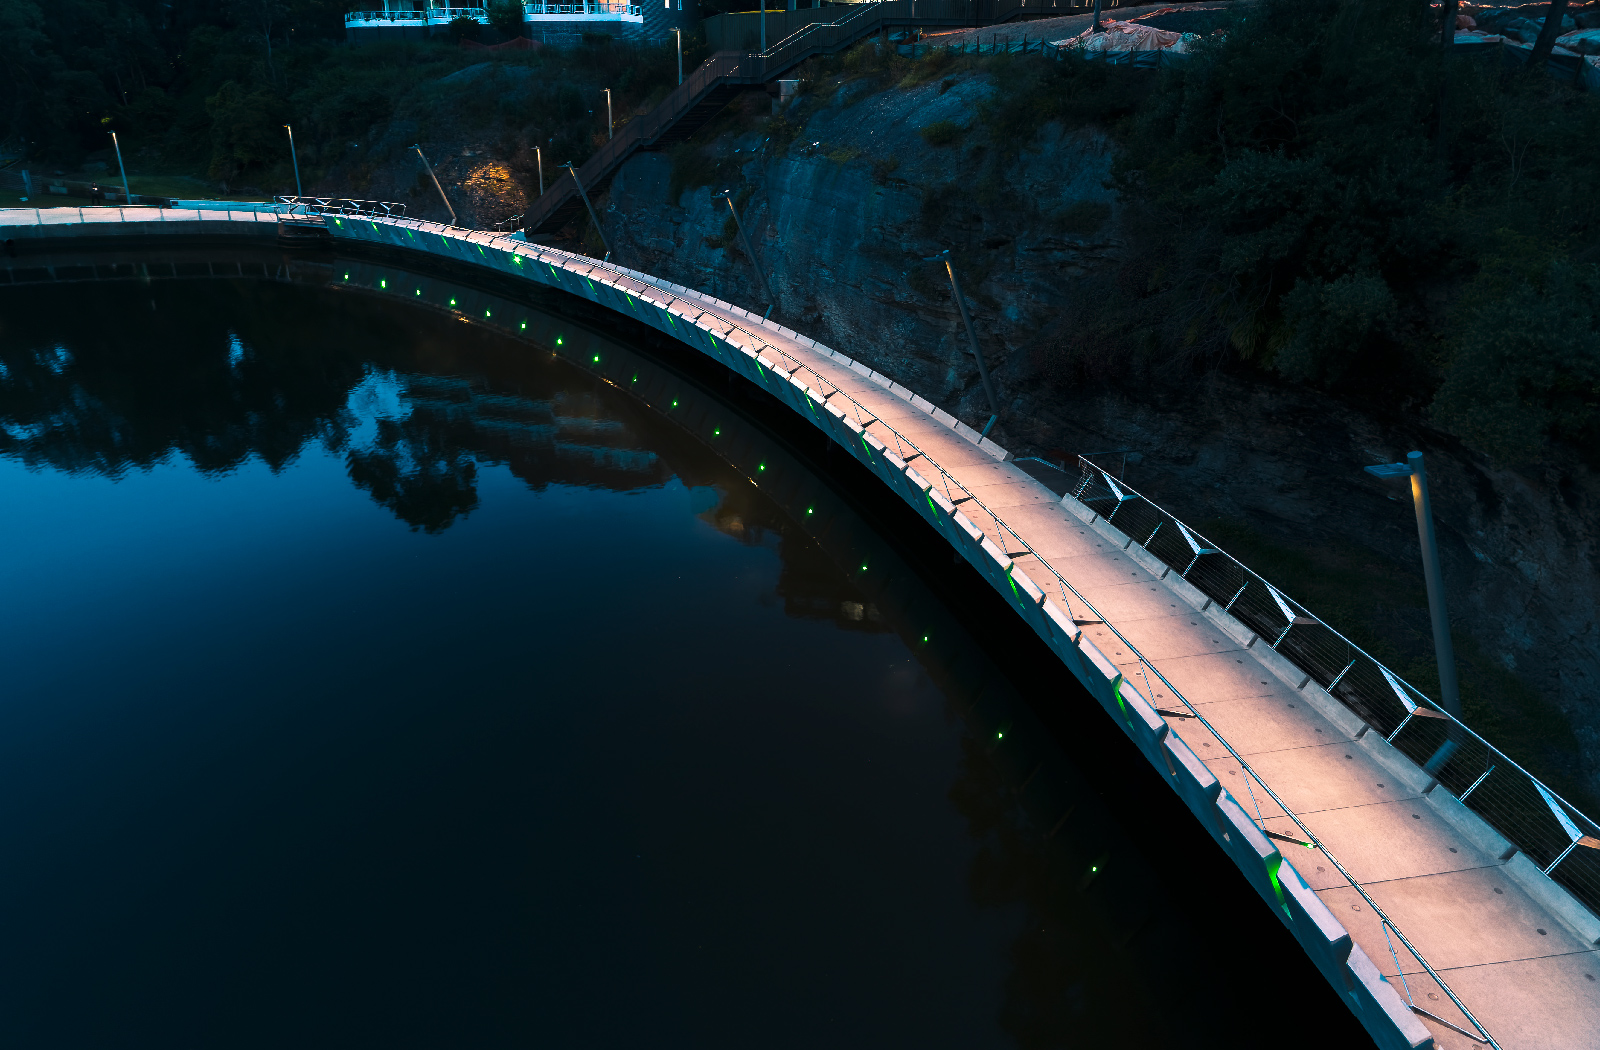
(1511, 946)
(1530, 979)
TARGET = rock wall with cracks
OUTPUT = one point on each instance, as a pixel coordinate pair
(842, 218)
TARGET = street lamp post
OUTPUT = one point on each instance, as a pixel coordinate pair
(679, 34)
(127, 198)
(295, 160)
(972, 339)
(436, 185)
(1443, 651)
(750, 252)
(592, 216)
(610, 127)
(538, 162)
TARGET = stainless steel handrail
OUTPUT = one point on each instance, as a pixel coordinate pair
(903, 442)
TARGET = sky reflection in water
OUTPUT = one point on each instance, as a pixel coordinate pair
(373, 680)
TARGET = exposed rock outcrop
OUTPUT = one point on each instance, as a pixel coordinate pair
(843, 217)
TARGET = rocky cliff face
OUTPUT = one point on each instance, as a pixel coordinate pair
(843, 218)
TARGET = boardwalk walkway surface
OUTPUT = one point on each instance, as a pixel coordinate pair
(1512, 947)
(1531, 980)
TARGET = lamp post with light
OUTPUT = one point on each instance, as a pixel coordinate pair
(295, 160)
(1443, 650)
(592, 216)
(679, 34)
(127, 198)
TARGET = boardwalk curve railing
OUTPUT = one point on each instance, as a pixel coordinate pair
(753, 337)
(959, 495)
(1557, 836)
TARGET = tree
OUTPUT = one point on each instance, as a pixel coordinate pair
(263, 17)
(506, 16)
(1547, 35)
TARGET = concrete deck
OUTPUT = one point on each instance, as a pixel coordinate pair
(1531, 979)
(1514, 946)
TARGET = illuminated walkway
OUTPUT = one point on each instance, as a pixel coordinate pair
(1516, 950)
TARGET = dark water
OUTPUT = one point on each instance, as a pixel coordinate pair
(371, 679)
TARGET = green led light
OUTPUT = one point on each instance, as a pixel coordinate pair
(674, 404)
(811, 510)
(762, 466)
(999, 736)
(716, 431)
(1094, 869)
(383, 284)
(924, 639)
(524, 326)
(452, 302)
(347, 277)
(596, 358)
(419, 291)
(558, 340)
(635, 378)
(486, 313)
(863, 566)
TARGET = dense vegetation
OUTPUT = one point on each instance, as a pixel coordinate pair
(1323, 195)
(1301, 207)
(195, 87)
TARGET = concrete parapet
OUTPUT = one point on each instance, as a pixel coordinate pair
(1100, 676)
(1064, 634)
(1191, 595)
(1252, 851)
(1144, 727)
(1472, 827)
(1323, 937)
(1394, 763)
(1194, 782)
(1108, 531)
(1380, 1009)
(1270, 658)
(1077, 509)
(1231, 627)
(1536, 884)
(1147, 561)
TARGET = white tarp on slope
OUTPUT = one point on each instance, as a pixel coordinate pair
(1128, 36)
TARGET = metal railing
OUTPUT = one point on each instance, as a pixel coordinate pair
(338, 206)
(431, 16)
(1070, 598)
(960, 496)
(591, 9)
(752, 68)
(1557, 836)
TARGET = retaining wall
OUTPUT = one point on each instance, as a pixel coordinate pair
(645, 299)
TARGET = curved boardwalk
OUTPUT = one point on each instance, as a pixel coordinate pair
(1512, 946)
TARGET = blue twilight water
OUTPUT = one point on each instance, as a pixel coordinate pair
(372, 680)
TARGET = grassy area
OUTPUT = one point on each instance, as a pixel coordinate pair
(185, 187)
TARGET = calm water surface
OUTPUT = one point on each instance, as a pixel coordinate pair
(376, 680)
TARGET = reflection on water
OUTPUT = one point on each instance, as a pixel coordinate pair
(609, 746)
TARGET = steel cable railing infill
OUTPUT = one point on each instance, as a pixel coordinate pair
(1145, 666)
(1539, 822)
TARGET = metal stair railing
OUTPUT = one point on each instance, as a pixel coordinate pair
(751, 68)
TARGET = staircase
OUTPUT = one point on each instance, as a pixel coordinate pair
(728, 73)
